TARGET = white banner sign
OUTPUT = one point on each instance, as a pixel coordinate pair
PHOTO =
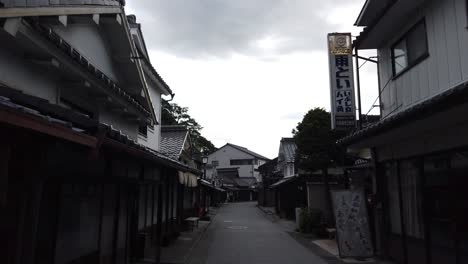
(343, 110)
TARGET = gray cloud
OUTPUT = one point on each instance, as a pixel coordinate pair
(204, 28)
(293, 116)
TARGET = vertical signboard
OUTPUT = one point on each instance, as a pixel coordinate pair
(343, 110)
(352, 225)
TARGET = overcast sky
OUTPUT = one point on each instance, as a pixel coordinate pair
(248, 69)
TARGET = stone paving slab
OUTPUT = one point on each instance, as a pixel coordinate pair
(326, 249)
(179, 250)
(241, 234)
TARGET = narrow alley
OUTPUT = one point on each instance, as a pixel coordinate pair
(241, 233)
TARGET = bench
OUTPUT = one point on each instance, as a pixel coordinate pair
(331, 232)
(192, 222)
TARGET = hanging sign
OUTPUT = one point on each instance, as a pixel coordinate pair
(343, 110)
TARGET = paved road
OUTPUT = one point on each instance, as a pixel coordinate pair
(241, 234)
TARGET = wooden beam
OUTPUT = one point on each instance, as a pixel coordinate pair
(78, 85)
(42, 126)
(54, 11)
(51, 62)
(112, 19)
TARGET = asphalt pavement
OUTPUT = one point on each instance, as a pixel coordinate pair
(241, 233)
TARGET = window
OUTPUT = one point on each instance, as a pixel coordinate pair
(215, 163)
(241, 162)
(143, 129)
(410, 49)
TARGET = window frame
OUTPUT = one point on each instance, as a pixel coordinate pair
(141, 132)
(410, 64)
(232, 161)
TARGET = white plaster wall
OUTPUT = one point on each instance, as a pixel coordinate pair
(129, 128)
(87, 39)
(22, 75)
(153, 138)
(446, 66)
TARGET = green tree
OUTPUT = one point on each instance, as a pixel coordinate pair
(174, 114)
(316, 145)
(316, 142)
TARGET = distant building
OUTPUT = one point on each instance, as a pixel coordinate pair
(270, 174)
(290, 191)
(236, 168)
(234, 156)
(286, 157)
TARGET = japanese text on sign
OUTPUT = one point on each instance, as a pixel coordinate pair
(341, 82)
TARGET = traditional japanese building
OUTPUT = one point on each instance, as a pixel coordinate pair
(419, 147)
(80, 180)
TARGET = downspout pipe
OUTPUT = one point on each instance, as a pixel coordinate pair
(358, 86)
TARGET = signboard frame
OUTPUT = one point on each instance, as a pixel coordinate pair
(361, 227)
(341, 70)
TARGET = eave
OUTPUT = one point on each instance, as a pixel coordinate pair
(387, 23)
(57, 11)
(49, 42)
(113, 25)
(35, 115)
(442, 102)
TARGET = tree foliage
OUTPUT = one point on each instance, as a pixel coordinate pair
(316, 142)
(173, 114)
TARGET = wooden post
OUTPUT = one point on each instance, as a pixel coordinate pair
(167, 186)
(157, 250)
(172, 186)
(328, 198)
(116, 224)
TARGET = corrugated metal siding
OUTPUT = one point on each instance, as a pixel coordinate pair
(43, 3)
(446, 66)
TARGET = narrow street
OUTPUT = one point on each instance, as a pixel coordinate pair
(240, 233)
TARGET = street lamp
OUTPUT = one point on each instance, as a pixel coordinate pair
(204, 161)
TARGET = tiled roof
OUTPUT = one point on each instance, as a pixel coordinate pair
(86, 65)
(228, 172)
(44, 116)
(34, 3)
(441, 102)
(247, 151)
(231, 176)
(245, 182)
(269, 164)
(172, 140)
(283, 181)
(289, 149)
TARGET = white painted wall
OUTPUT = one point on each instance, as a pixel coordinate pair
(87, 39)
(446, 66)
(225, 154)
(31, 79)
(128, 127)
(153, 138)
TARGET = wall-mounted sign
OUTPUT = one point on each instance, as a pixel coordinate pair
(343, 110)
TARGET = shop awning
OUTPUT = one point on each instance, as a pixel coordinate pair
(210, 185)
(283, 181)
(188, 179)
(220, 189)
